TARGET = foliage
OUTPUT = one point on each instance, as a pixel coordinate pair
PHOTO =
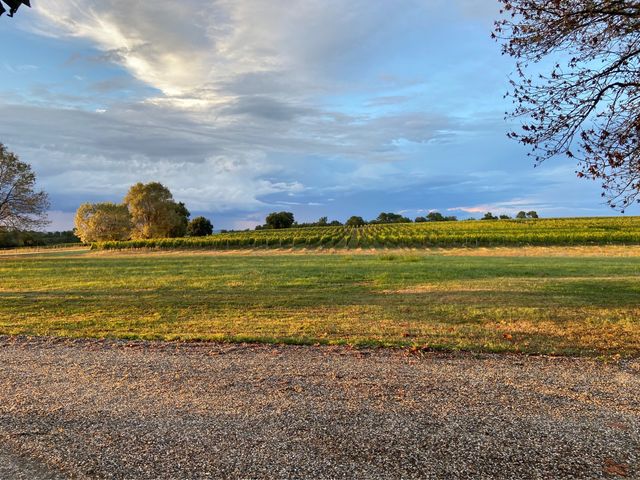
(355, 221)
(521, 215)
(21, 206)
(154, 213)
(100, 222)
(586, 107)
(279, 220)
(474, 233)
(489, 216)
(532, 214)
(389, 217)
(200, 227)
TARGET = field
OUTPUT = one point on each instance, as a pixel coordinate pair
(574, 301)
(564, 231)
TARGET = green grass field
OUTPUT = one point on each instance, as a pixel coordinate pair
(576, 305)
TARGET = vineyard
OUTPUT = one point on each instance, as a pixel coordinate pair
(565, 231)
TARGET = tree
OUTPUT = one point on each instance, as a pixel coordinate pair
(98, 222)
(435, 217)
(22, 207)
(521, 214)
(586, 107)
(389, 217)
(489, 216)
(355, 221)
(154, 213)
(420, 220)
(505, 217)
(13, 6)
(279, 220)
(532, 214)
(200, 227)
(323, 222)
(181, 224)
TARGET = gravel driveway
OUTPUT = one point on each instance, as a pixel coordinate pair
(99, 409)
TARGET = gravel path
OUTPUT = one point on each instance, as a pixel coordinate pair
(93, 409)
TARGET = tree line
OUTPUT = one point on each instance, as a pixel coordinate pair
(277, 220)
(147, 211)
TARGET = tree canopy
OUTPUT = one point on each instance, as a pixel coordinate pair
(98, 222)
(279, 220)
(355, 221)
(586, 106)
(22, 206)
(154, 213)
(200, 227)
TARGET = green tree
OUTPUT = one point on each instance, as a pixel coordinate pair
(389, 217)
(489, 216)
(355, 221)
(154, 213)
(323, 222)
(521, 214)
(97, 222)
(420, 219)
(435, 217)
(181, 220)
(505, 217)
(532, 214)
(22, 207)
(200, 227)
(279, 220)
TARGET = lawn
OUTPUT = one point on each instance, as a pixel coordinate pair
(574, 305)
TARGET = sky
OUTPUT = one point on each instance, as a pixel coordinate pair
(243, 107)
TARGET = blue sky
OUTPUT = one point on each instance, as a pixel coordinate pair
(242, 107)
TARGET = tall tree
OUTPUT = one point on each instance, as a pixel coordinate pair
(22, 207)
(97, 222)
(587, 105)
(154, 213)
(279, 220)
(200, 227)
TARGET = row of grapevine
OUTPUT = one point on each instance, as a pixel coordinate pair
(561, 231)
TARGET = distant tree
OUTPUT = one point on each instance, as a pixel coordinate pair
(279, 220)
(389, 217)
(181, 224)
(521, 214)
(435, 217)
(335, 223)
(355, 221)
(505, 217)
(587, 106)
(154, 213)
(420, 219)
(97, 222)
(323, 222)
(489, 216)
(22, 207)
(532, 214)
(200, 227)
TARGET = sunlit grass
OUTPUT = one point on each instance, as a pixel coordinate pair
(537, 304)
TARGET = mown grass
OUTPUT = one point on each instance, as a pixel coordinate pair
(550, 305)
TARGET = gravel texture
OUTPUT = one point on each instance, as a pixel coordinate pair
(106, 409)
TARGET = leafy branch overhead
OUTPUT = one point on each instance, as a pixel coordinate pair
(13, 6)
(586, 105)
